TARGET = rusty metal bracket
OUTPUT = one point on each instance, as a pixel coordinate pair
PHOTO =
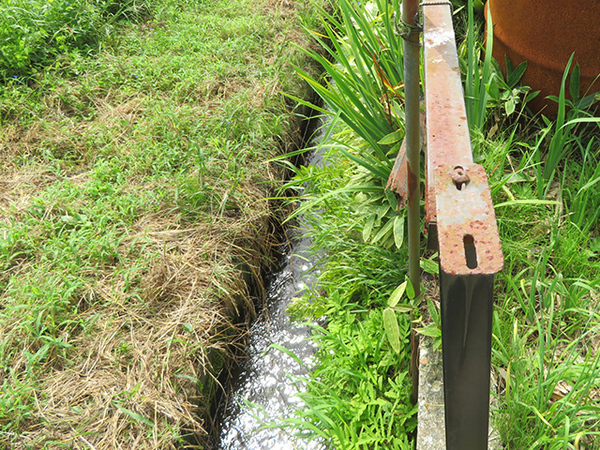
(398, 179)
(468, 240)
(470, 255)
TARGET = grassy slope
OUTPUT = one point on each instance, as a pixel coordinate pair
(133, 218)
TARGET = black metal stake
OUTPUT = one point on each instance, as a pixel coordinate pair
(467, 305)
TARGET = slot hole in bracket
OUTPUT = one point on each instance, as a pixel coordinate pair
(470, 251)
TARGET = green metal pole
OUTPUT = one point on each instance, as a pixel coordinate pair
(410, 9)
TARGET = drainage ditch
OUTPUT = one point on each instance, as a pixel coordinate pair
(263, 389)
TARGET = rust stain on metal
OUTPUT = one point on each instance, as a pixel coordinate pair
(462, 223)
(398, 180)
(466, 223)
(430, 216)
(460, 177)
(448, 139)
(545, 33)
(457, 198)
(413, 179)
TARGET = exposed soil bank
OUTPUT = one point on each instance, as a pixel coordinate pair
(268, 294)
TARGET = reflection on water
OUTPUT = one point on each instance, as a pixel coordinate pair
(265, 377)
(265, 380)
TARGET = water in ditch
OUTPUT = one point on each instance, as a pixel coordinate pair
(263, 392)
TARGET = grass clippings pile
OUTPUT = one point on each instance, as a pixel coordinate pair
(134, 225)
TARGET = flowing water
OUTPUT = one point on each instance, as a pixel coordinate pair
(263, 391)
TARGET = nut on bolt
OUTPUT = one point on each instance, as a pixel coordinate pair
(459, 177)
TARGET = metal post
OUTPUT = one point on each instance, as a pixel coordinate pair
(460, 211)
(467, 303)
(460, 218)
(412, 90)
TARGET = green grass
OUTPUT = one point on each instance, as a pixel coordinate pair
(35, 34)
(548, 296)
(358, 395)
(134, 217)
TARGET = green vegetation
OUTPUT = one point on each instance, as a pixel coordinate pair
(358, 396)
(134, 226)
(543, 173)
(34, 33)
(134, 220)
(546, 325)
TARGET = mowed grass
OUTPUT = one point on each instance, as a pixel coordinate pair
(134, 224)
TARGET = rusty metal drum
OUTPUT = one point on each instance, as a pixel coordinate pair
(546, 33)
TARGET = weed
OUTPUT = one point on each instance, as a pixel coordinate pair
(549, 288)
(358, 396)
(36, 33)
